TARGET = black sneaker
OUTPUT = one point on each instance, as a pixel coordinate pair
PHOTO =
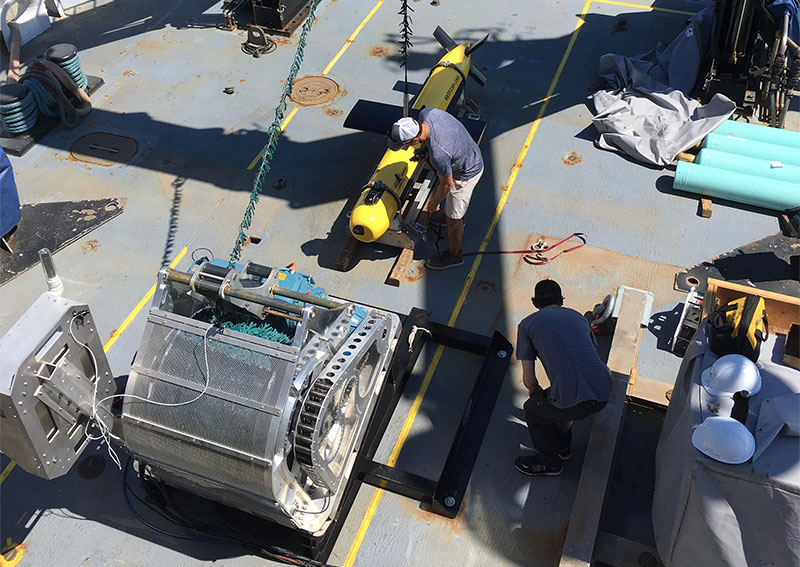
(445, 260)
(565, 455)
(533, 466)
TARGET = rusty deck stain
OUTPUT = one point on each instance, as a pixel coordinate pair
(415, 271)
(571, 158)
(90, 246)
(379, 51)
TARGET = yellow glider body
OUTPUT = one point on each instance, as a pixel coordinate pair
(381, 196)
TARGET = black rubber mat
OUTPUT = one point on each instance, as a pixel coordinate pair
(53, 226)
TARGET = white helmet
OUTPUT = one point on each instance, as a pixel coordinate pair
(724, 439)
(732, 373)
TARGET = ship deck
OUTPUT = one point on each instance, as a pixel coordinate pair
(165, 66)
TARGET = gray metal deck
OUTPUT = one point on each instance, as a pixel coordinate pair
(165, 67)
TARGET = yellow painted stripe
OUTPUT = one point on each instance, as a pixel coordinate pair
(139, 306)
(7, 471)
(325, 71)
(412, 414)
(352, 37)
(645, 7)
(283, 127)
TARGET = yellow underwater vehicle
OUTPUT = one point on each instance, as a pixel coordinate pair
(395, 184)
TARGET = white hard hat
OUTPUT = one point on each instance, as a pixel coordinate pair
(732, 373)
(724, 439)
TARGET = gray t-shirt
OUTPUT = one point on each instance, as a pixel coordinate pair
(451, 150)
(562, 339)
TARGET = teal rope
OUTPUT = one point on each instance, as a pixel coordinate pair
(45, 100)
(19, 116)
(73, 68)
(273, 132)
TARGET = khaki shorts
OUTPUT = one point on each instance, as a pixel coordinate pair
(457, 202)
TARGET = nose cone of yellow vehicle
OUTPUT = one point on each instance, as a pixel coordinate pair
(369, 222)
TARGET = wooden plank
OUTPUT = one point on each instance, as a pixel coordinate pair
(621, 552)
(652, 391)
(782, 310)
(704, 210)
(400, 267)
(345, 257)
(587, 509)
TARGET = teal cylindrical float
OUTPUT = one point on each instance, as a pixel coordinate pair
(737, 187)
(758, 150)
(757, 133)
(752, 166)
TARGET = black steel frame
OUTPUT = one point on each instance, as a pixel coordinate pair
(444, 495)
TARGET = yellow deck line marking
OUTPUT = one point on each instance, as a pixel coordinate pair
(325, 71)
(7, 471)
(132, 315)
(412, 414)
(645, 7)
(352, 37)
(283, 127)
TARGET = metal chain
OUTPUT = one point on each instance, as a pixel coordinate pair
(273, 133)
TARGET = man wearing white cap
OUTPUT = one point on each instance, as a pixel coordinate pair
(458, 163)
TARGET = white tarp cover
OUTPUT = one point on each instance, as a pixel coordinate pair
(645, 112)
(708, 513)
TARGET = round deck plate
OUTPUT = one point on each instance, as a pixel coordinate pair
(309, 91)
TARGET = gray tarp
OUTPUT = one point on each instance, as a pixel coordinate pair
(710, 514)
(646, 113)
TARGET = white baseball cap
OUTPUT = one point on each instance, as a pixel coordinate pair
(403, 133)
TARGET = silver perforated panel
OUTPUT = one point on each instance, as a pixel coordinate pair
(230, 434)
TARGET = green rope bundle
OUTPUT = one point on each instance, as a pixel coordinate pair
(273, 133)
(265, 331)
(237, 320)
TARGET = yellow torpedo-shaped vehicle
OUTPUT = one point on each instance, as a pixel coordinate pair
(388, 187)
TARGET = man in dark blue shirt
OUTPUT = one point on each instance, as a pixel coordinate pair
(458, 163)
(580, 382)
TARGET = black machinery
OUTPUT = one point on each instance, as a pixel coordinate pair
(274, 16)
(755, 58)
(251, 387)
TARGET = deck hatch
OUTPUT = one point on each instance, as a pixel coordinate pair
(104, 148)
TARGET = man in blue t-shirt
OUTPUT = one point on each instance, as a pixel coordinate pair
(580, 382)
(458, 163)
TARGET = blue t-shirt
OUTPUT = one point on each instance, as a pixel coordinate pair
(451, 150)
(562, 339)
